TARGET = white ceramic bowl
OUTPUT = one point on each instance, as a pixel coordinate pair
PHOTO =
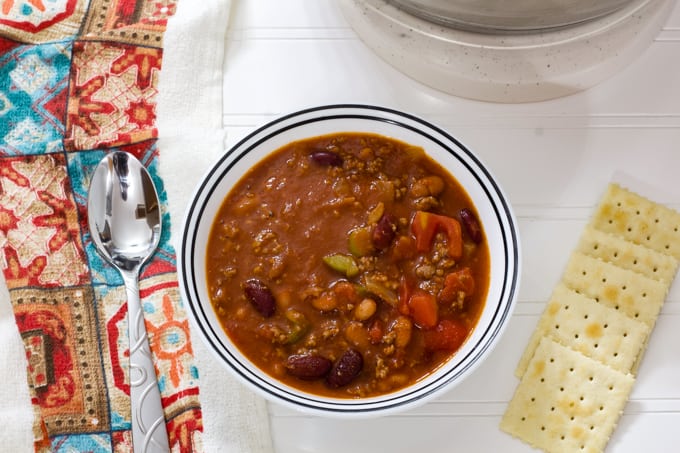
(493, 208)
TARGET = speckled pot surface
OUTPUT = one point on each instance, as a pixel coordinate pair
(507, 67)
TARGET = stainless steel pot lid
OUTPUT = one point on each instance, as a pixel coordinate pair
(504, 15)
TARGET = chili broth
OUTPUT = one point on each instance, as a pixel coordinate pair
(347, 265)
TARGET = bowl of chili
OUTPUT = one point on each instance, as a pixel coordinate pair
(349, 260)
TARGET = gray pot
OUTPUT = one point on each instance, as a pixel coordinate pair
(509, 15)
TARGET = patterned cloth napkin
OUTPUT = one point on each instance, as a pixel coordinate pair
(78, 79)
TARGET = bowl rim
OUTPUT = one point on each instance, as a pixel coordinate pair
(274, 390)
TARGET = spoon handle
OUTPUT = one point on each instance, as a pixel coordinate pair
(148, 422)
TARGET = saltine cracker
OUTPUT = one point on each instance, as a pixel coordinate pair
(641, 221)
(566, 401)
(627, 255)
(595, 330)
(633, 294)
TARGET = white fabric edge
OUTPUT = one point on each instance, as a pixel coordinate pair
(16, 411)
(191, 138)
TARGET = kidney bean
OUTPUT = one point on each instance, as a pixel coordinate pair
(471, 225)
(308, 366)
(260, 296)
(345, 369)
(326, 158)
(384, 232)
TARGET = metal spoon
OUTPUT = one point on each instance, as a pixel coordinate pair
(125, 222)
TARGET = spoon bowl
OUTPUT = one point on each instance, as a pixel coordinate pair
(123, 211)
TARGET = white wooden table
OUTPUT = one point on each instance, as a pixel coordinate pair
(553, 159)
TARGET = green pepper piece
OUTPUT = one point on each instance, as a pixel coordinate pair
(377, 288)
(359, 241)
(299, 325)
(344, 264)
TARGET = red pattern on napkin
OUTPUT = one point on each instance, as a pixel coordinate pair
(79, 78)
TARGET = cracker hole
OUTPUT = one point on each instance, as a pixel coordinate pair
(533, 399)
(605, 326)
(616, 254)
(523, 419)
(571, 370)
(624, 287)
(542, 428)
(644, 294)
(637, 212)
(551, 360)
(590, 378)
(616, 354)
(656, 220)
(562, 437)
(596, 246)
(625, 334)
(595, 345)
(610, 221)
(561, 389)
(557, 326)
(611, 387)
(616, 307)
(552, 409)
(667, 246)
(581, 398)
(601, 408)
(542, 379)
(635, 262)
(637, 315)
(575, 335)
(629, 229)
(585, 316)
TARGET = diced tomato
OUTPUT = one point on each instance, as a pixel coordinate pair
(424, 309)
(456, 282)
(448, 335)
(424, 228)
(454, 235)
(375, 331)
(405, 290)
(426, 224)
